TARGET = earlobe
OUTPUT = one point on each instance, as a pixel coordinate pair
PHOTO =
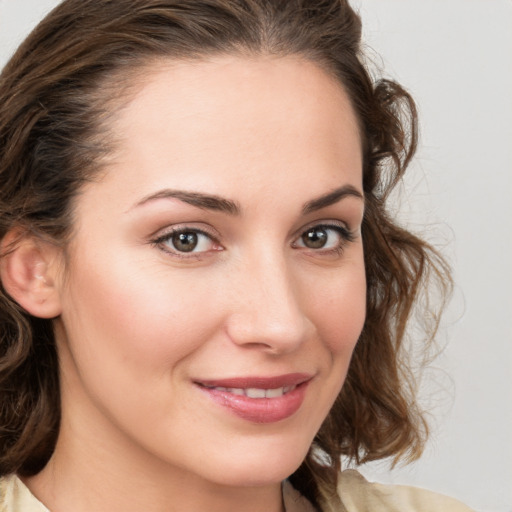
(28, 269)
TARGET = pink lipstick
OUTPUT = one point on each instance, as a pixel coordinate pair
(259, 399)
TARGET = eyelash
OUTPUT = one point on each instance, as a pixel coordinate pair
(346, 237)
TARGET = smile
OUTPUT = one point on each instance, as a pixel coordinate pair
(256, 392)
(259, 399)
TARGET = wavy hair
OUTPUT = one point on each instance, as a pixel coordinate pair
(56, 95)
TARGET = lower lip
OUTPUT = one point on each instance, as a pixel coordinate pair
(260, 410)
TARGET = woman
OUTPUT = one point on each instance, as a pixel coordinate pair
(188, 316)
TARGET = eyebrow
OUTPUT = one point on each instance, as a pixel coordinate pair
(220, 204)
(331, 198)
(203, 201)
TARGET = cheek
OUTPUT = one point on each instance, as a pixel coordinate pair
(137, 318)
(340, 312)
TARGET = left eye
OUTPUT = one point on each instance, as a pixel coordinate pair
(187, 241)
(323, 237)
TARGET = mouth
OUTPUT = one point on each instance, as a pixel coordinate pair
(259, 399)
(256, 393)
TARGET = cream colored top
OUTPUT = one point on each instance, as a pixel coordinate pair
(355, 495)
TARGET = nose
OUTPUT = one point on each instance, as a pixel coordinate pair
(267, 307)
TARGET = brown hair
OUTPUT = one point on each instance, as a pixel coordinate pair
(55, 96)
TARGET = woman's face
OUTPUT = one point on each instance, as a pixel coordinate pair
(215, 287)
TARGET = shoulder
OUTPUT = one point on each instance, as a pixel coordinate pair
(15, 496)
(359, 495)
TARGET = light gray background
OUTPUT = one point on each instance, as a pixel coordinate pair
(456, 58)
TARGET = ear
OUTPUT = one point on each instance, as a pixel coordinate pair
(29, 273)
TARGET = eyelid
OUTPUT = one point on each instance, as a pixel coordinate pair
(326, 223)
(198, 227)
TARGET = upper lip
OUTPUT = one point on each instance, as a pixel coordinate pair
(279, 381)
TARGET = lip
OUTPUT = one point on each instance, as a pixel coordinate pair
(259, 410)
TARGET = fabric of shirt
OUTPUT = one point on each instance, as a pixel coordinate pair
(355, 494)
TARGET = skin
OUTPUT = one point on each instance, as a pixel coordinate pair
(141, 322)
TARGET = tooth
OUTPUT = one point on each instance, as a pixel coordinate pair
(236, 391)
(218, 388)
(287, 389)
(274, 393)
(255, 393)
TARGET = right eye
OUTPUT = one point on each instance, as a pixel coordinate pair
(184, 241)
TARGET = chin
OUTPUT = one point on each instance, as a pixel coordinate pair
(261, 464)
(247, 474)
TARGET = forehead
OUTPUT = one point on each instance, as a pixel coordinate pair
(239, 120)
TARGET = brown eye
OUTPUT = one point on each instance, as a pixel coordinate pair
(185, 241)
(315, 238)
(324, 238)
